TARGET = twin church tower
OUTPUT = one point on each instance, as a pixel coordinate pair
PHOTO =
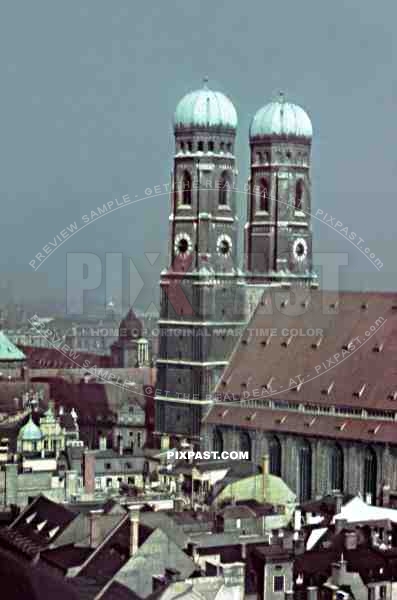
(209, 289)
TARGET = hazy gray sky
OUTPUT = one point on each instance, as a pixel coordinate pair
(88, 93)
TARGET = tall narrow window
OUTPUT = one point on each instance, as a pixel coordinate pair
(186, 188)
(263, 203)
(370, 475)
(299, 195)
(274, 456)
(224, 189)
(304, 472)
(336, 468)
(245, 443)
(218, 441)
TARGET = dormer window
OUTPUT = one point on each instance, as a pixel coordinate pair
(200, 146)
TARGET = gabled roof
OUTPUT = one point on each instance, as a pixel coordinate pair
(41, 523)
(113, 553)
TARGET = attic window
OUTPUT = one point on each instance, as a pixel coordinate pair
(287, 342)
(378, 347)
(374, 430)
(251, 417)
(317, 344)
(30, 518)
(329, 389)
(41, 525)
(268, 385)
(52, 533)
(361, 391)
(348, 346)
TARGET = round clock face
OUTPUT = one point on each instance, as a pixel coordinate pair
(300, 249)
(183, 244)
(224, 245)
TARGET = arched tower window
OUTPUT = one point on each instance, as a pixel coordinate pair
(217, 441)
(186, 188)
(336, 467)
(304, 472)
(370, 475)
(274, 456)
(263, 195)
(299, 195)
(224, 189)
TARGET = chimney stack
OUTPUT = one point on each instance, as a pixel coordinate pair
(338, 501)
(89, 471)
(95, 528)
(312, 592)
(265, 474)
(351, 540)
(134, 530)
(386, 495)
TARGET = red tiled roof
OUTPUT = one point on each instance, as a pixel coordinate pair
(364, 376)
(368, 430)
(51, 358)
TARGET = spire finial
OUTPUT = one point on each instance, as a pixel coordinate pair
(205, 82)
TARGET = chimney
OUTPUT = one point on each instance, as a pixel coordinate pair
(338, 502)
(103, 443)
(243, 551)
(299, 545)
(351, 540)
(95, 527)
(192, 550)
(386, 495)
(265, 474)
(339, 572)
(312, 592)
(11, 484)
(134, 530)
(340, 524)
(297, 519)
(70, 485)
(89, 471)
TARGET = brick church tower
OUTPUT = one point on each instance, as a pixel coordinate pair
(202, 292)
(278, 236)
